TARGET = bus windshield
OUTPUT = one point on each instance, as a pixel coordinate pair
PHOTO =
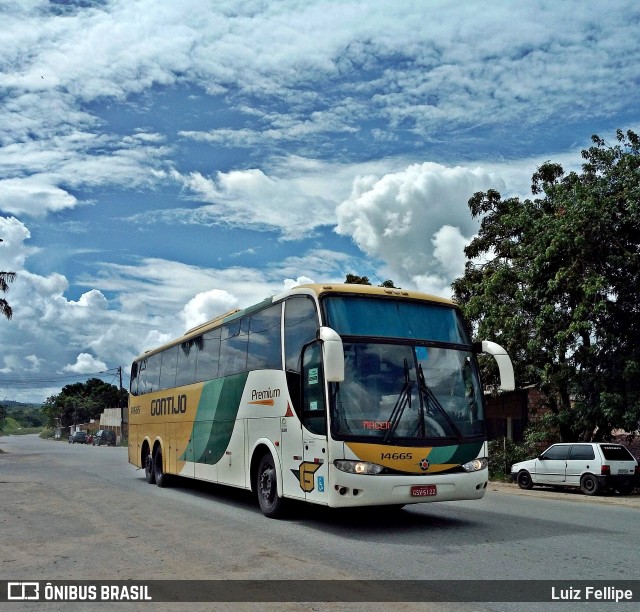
(415, 380)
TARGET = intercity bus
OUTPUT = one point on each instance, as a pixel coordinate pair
(339, 395)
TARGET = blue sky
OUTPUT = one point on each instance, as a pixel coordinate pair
(163, 162)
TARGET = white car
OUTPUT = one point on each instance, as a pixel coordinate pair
(591, 466)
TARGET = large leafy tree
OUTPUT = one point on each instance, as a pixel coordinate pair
(5, 279)
(80, 402)
(556, 280)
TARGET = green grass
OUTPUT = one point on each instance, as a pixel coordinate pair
(12, 427)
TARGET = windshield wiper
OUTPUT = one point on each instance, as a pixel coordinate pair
(404, 400)
(432, 400)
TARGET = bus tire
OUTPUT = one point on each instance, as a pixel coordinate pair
(149, 473)
(158, 472)
(271, 505)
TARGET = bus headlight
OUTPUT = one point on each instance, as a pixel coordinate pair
(476, 465)
(357, 467)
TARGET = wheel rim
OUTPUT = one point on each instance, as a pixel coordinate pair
(589, 484)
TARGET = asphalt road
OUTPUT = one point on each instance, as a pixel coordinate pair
(81, 512)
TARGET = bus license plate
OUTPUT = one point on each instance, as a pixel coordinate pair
(424, 491)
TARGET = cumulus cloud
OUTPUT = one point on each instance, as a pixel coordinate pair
(416, 220)
(85, 364)
(207, 305)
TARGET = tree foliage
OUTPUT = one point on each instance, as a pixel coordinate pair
(556, 281)
(80, 402)
(353, 279)
(5, 279)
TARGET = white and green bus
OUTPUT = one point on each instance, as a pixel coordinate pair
(340, 395)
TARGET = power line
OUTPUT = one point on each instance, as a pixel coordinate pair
(39, 380)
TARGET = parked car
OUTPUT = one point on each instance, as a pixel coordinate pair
(104, 436)
(78, 436)
(591, 466)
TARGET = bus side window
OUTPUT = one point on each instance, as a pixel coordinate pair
(208, 356)
(233, 347)
(133, 385)
(187, 356)
(153, 373)
(168, 369)
(264, 340)
(314, 415)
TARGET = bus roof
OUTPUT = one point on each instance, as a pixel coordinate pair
(317, 289)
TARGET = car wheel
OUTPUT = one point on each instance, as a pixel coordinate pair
(158, 472)
(266, 485)
(589, 484)
(524, 480)
(149, 473)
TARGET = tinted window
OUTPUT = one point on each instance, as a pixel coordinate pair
(264, 350)
(152, 375)
(313, 410)
(300, 328)
(613, 452)
(582, 451)
(233, 347)
(187, 358)
(559, 451)
(208, 356)
(133, 385)
(168, 362)
(389, 318)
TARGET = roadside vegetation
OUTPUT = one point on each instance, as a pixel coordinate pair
(555, 280)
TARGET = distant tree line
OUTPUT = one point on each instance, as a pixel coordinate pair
(81, 402)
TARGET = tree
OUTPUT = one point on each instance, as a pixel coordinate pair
(5, 279)
(556, 281)
(352, 279)
(80, 402)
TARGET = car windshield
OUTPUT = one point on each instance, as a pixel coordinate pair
(407, 391)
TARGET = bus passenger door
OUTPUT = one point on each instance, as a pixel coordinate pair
(291, 441)
(314, 468)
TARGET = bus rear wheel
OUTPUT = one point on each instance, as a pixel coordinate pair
(149, 473)
(158, 472)
(271, 505)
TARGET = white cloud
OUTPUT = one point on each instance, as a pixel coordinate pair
(33, 196)
(85, 364)
(387, 69)
(416, 220)
(206, 306)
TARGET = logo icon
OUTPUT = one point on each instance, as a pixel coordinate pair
(23, 591)
(424, 464)
(305, 475)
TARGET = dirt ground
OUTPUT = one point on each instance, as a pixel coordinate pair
(569, 494)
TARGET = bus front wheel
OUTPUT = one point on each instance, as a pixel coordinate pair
(271, 505)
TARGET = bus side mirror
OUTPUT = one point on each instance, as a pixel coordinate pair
(332, 354)
(507, 378)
